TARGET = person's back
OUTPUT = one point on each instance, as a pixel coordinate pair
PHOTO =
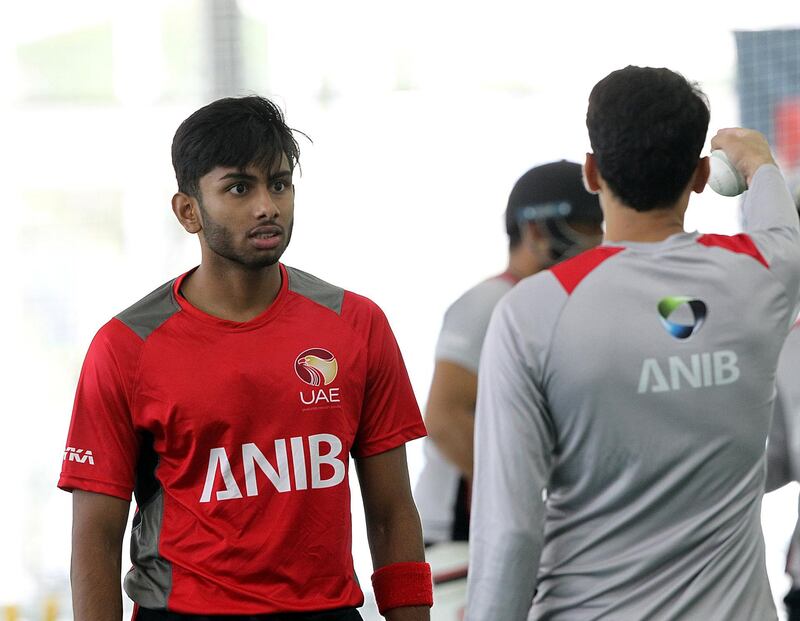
(653, 508)
(635, 383)
(549, 217)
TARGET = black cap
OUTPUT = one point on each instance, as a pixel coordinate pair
(552, 191)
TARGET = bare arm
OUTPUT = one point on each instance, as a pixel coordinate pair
(98, 525)
(449, 415)
(393, 527)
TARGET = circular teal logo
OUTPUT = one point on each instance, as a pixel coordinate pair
(668, 305)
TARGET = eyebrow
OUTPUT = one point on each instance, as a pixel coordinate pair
(238, 174)
(281, 174)
(242, 175)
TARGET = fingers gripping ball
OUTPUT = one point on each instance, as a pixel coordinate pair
(724, 178)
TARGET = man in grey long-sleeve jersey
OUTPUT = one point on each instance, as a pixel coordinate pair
(783, 452)
(549, 217)
(633, 385)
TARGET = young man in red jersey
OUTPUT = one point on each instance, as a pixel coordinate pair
(227, 401)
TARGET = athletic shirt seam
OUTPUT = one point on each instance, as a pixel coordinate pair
(749, 259)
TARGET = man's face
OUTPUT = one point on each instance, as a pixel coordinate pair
(247, 214)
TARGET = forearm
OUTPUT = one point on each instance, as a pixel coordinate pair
(398, 539)
(95, 578)
(455, 442)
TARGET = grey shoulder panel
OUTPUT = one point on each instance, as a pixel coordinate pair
(150, 581)
(151, 311)
(315, 289)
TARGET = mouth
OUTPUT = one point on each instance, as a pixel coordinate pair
(265, 231)
(266, 237)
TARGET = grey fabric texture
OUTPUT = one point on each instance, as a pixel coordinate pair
(149, 582)
(460, 342)
(150, 312)
(465, 323)
(619, 468)
(315, 289)
(783, 446)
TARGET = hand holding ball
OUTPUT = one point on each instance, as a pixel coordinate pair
(724, 178)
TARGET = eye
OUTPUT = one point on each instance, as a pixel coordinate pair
(279, 186)
(238, 189)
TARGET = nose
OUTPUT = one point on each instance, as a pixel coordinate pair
(265, 206)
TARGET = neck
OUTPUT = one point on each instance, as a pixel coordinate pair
(622, 223)
(232, 293)
(522, 262)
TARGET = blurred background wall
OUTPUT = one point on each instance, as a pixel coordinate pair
(422, 116)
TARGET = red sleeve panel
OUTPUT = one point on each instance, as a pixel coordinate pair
(102, 444)
(572, 271)
(741, 243)
(390, 415)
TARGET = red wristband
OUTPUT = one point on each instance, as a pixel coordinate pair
(402, 584)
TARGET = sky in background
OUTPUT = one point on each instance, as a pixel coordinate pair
(422, 117)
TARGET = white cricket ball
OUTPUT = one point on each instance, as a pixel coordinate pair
(724, 178)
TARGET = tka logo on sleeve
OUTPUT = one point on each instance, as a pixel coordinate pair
(82, 456)
(317, 367)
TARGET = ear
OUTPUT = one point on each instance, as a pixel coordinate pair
(187, 211)
(591, 177)
(701, 174)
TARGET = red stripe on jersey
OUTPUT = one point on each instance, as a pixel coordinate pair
(572, 271)
(740, 243)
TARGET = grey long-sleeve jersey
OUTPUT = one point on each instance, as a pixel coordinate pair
(633, 386)
(783, 447)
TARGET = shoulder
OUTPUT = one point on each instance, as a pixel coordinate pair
(359, 311)
(315, 289)
(475, 306)
(572, 272)
(484, 295)
(741, 244)
(148, 314)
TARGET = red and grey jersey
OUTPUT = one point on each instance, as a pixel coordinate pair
(634, 385)
(234, 438)
(441, 491)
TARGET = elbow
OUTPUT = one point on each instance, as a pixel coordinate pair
(438, 432)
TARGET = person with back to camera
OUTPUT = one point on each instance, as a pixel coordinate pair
(625, 395)
(783, 450)
(227, 401)
(549, 217)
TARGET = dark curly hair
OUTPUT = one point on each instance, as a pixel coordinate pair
(236, 132)
(647, 127)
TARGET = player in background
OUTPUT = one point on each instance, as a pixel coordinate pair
(227, 401)
(549, 217)
(625, 395)
(783, 451)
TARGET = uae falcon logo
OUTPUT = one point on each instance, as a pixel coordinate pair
(679, 308)
(316, 367)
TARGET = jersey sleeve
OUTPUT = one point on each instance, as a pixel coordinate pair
(465, 323)
(769, 216)
(390, 415)
(102, 444)
(783, 445)
(514, 444)
(777, 447)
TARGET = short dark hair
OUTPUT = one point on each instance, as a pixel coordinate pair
(647, 127)
(235, 132)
